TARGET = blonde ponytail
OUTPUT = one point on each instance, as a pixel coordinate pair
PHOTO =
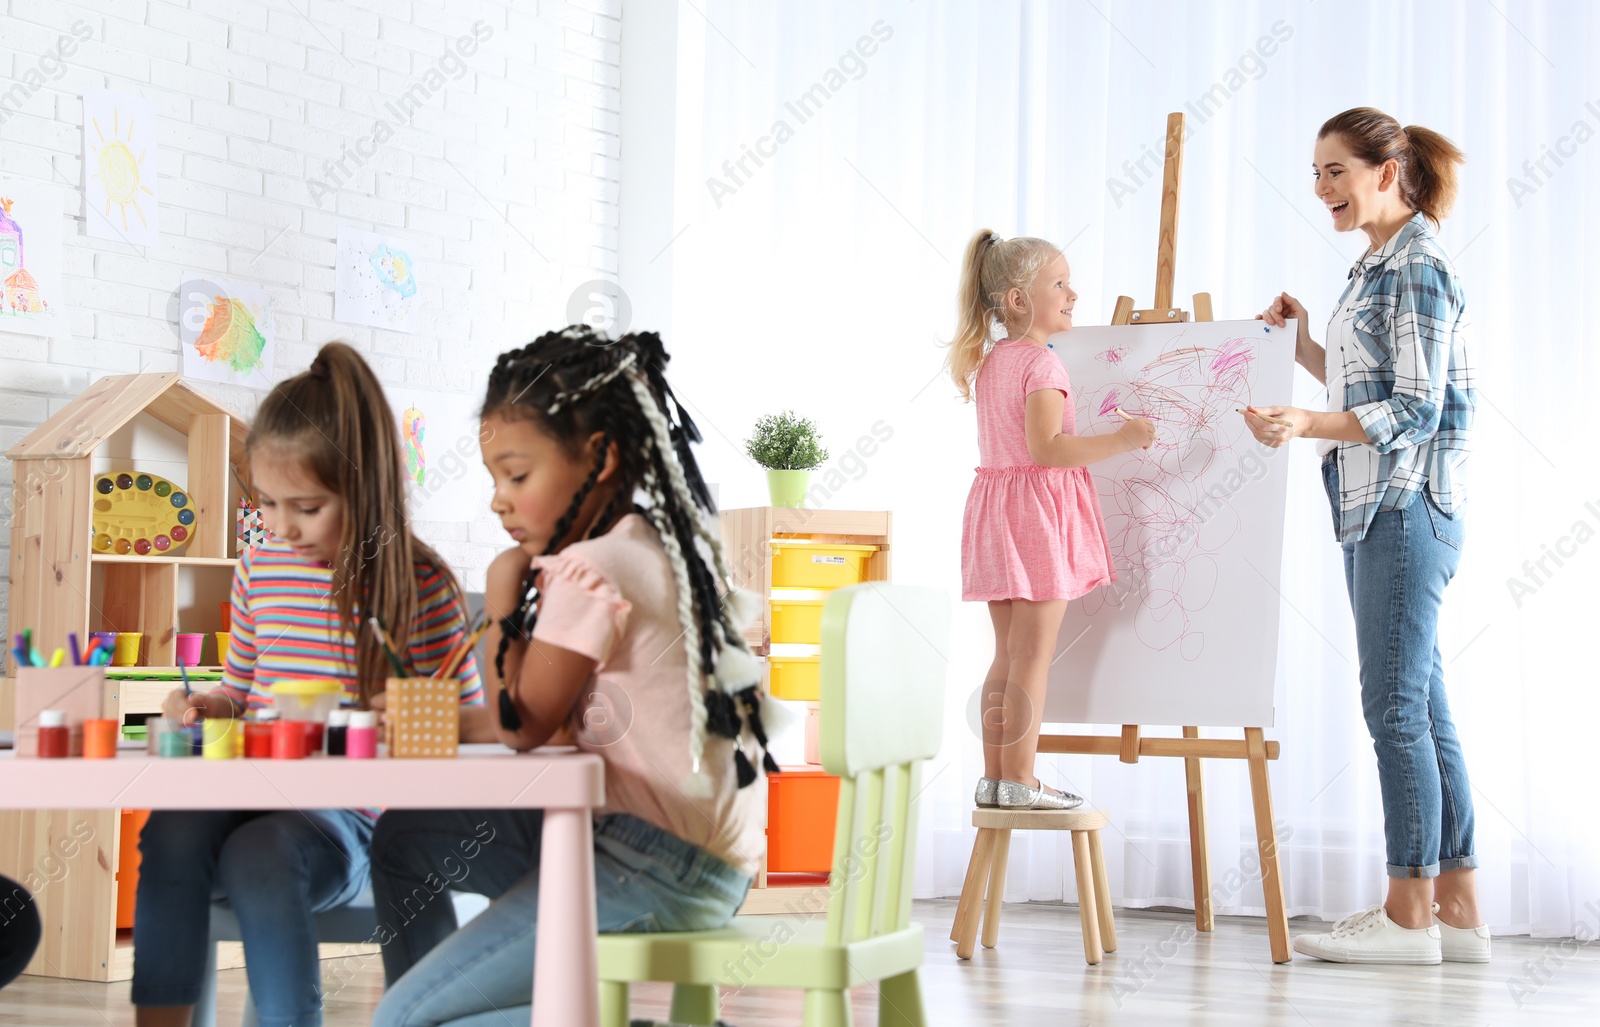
(991, 268)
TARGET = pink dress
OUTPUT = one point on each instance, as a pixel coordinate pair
(1029, 532)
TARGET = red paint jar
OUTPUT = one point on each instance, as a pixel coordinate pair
(313, 732)
(288, 740)
(258, 735)
(55, 738)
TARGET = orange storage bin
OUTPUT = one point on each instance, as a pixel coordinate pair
(802, 806)
(128, 865)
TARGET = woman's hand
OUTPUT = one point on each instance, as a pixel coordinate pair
(1307, 353)
(1138, 433)
(1263, 423)
(1280, 310)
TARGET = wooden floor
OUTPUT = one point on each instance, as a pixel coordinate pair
(1164, 973)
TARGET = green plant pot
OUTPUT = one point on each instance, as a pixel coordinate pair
(788, 488)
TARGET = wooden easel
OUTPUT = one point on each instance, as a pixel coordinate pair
(1191, 748)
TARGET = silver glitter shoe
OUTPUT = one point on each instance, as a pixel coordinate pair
(1014, 795)
(984, 797)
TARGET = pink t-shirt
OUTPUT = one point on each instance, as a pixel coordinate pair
(614, 599)
(1010, 372)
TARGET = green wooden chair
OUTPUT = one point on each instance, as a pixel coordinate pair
(882, 713)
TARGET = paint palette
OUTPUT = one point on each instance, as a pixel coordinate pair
(140, 514)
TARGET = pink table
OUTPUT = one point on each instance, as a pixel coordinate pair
(567, 785)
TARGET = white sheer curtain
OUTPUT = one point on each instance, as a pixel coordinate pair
(823, 276)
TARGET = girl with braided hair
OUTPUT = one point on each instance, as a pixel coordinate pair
(616, 623)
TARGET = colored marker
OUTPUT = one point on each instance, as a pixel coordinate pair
(59, 657)
(77, 654)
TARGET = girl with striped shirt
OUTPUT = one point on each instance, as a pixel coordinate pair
(328, 472)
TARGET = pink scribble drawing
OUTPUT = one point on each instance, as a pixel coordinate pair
(1165, 527)
(1113, 355)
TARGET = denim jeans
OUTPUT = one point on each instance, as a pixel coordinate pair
(645, 880)
(1396, 576)
(277, 869)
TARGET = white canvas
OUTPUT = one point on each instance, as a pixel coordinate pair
(375, 281)
(226, 328)
(120, 198)
(1188, 635)
(31, 298)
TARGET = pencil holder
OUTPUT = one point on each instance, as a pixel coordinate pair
(423, 717)
(79, 692)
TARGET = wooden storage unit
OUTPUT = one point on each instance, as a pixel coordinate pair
(55, 579)
(792, 558)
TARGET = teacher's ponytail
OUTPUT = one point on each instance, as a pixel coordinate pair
(1426, 159)
(1431, 185)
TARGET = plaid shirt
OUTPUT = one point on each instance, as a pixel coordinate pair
(1407, 379)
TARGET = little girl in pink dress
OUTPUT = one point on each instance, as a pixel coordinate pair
(1032, 537)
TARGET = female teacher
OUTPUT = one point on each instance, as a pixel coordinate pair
(1394, 442)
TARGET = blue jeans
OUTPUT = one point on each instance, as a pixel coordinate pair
(1396, 576)
(277, 869)
(645, 880)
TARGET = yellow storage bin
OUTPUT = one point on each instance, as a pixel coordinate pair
(795, 677)
(797, 563)
(797, 618)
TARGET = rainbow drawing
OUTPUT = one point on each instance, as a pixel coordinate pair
(412, 427)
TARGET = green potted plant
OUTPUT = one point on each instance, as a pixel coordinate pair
(790, 449)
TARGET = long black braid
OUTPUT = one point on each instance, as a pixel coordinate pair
(575, 382)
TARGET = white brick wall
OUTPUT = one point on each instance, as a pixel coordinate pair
(255, 100)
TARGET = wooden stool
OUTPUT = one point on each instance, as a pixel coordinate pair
(987, 870)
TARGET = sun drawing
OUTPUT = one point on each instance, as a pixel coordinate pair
(120, 170)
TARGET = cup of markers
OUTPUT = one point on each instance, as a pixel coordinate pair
(24, 653)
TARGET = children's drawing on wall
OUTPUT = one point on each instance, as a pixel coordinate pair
(30, 258)
(449, 482)
(227, 332)
(375, 281)
(1194, 525)
(119, 167)
(412, 427)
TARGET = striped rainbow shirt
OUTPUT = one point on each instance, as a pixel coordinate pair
(285, 625)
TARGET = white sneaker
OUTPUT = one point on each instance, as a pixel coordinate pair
(1462, 944)
(1371, 937)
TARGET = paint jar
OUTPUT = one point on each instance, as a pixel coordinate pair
(197, 738)
(190, 645)
(361, 739)
(224, 638)
(55, 738)
(258, 735)
(288, 740)
(100, 739)
(153, 728)
(169, 738)
(338, 729)
(218, 735)
(126, 652)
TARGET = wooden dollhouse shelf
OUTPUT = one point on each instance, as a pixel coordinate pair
(188, 561)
